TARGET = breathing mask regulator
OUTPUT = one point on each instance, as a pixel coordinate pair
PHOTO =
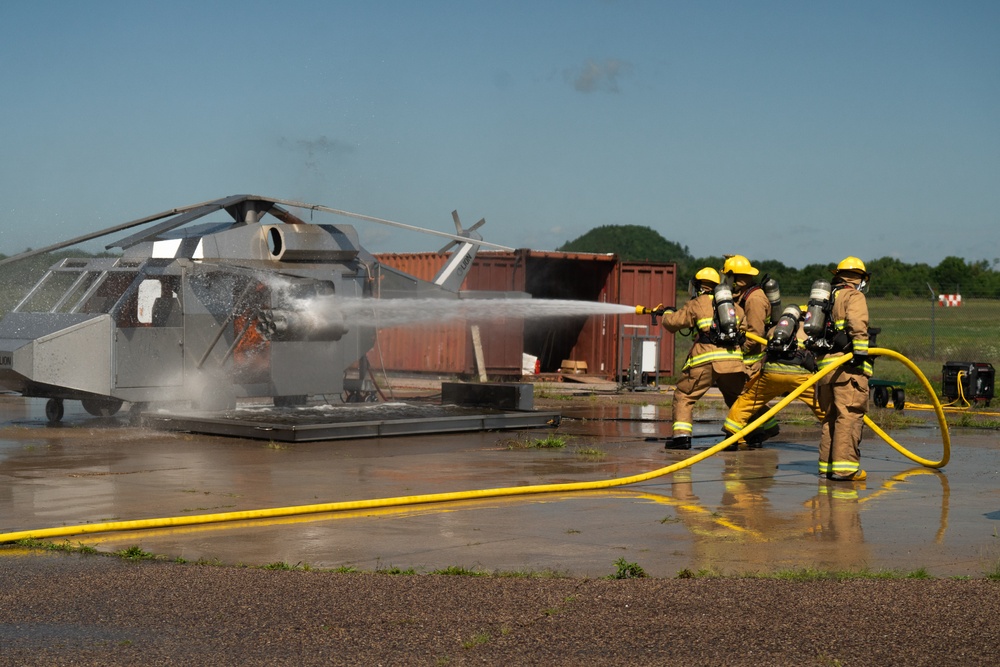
(783, 336)
(695, 288)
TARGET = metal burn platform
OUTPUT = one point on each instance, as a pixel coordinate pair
(344, 422)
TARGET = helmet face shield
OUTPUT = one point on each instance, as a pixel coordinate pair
(704, 280)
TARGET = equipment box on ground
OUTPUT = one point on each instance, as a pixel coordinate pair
(969, 379)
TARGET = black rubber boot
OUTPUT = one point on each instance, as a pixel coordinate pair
(678, 442)
(756, 439)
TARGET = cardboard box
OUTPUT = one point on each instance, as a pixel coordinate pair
(570, 366)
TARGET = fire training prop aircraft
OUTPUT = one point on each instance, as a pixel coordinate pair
(209, 313)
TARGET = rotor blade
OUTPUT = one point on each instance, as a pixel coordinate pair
(285, 216)
(447, 247)
(381, 221)
(167, 225)
(458, 223)
(228, 201)
(99, 234)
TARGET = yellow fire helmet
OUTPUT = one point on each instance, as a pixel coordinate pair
(851, 264)
(703, 282)
(739, 264)
(708, 274)
(850, 269)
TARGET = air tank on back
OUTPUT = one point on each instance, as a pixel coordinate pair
(819, 298)
(773, 293)
(725, 311)
(783, 335)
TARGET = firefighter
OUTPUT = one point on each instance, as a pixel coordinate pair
(756, 301)
(787, 365)
(843, 393)
(718, 330)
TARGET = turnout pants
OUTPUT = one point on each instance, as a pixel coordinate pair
(844, 399)
(695, 382)
(761, 390)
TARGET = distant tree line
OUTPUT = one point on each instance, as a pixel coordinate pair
(890, 277)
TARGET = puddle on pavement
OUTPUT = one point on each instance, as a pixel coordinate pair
(735, 512)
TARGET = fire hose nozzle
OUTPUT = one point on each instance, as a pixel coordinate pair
(659, 310)
(653, 312)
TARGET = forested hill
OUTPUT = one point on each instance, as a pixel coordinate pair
(890, 277)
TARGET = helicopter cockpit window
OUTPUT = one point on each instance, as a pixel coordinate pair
(149, 301)
(71, 301)
(44, 296)
(62, 291)
(107, 294)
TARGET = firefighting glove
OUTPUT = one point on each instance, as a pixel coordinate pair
(661, 309)
(859, 359)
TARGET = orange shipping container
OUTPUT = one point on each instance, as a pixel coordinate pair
(446, 349)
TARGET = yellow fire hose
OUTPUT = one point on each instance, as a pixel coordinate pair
(397, 501)
(936, 405)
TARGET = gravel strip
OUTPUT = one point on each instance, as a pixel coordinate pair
(62, 609)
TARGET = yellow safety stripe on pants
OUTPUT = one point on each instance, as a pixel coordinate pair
(733, 426)
(831, 359)
(841, 492)
(722, 354)
(839, 467)
(784, 369)
(682, 428)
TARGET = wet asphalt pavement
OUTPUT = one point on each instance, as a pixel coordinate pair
(734, 513)
(761, 511)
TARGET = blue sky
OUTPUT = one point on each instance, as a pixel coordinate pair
(797, 131)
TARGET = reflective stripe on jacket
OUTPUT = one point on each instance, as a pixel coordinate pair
(850, 315)
(698, 314)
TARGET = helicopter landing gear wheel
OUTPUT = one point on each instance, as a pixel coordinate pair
(54, 410)
(101, 407)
